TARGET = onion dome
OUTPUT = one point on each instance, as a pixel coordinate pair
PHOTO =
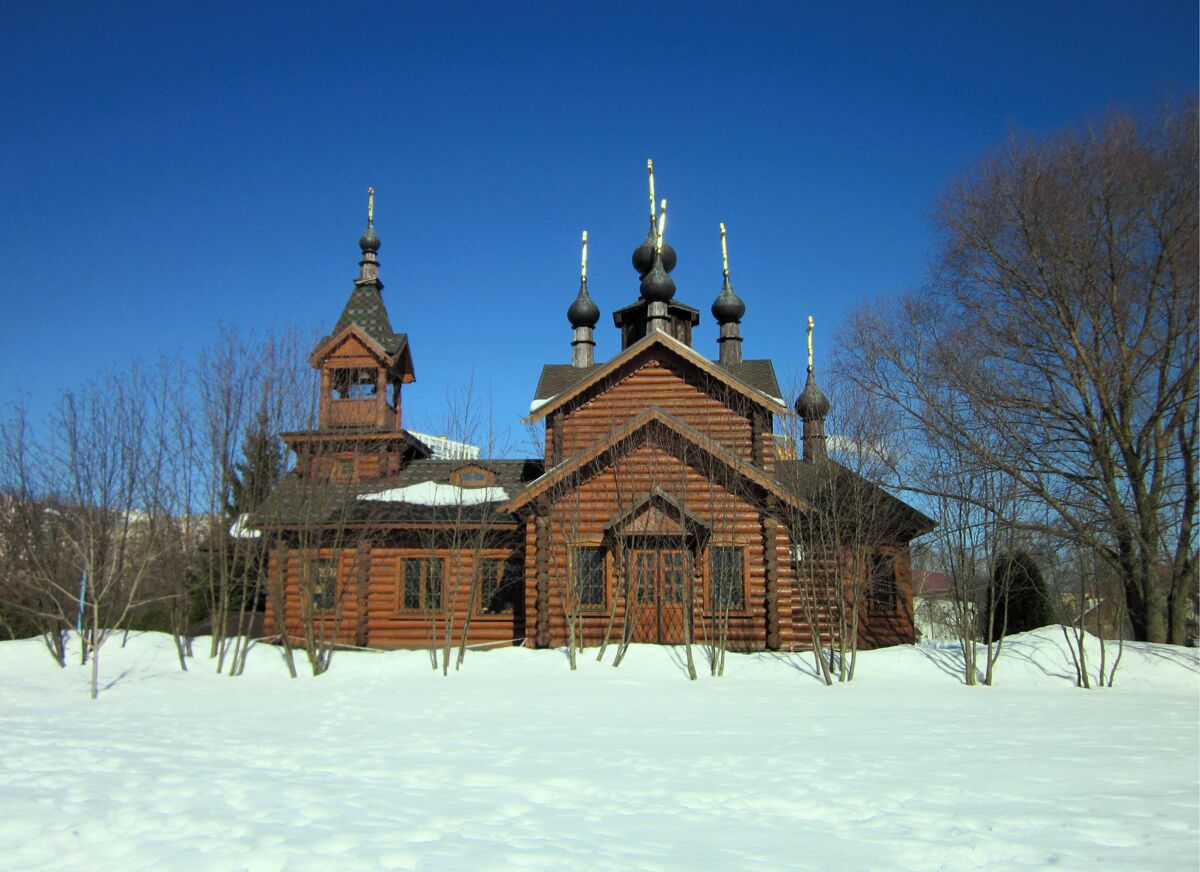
(369, 241)
(583, 312)
(643, 255)
(657, 286)
(728, 307)
(812, 404)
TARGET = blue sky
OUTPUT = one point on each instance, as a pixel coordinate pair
(165, 169)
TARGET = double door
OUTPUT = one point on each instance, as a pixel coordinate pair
(658, 578)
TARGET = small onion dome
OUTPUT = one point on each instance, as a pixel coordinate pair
(643, 255)
(369, 241)
(657, 286)
(811, 404)
(728, 307)
(583, 312)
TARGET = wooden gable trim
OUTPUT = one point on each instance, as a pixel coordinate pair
(658, 501)
(654, 416)
(325, 350)
(684, 352)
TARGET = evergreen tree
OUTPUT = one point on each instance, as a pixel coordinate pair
(256, 474)
(1020, 597)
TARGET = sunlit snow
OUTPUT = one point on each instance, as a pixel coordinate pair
(436, 493)
(518, 763)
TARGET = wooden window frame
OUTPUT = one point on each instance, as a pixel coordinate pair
(487, 477)
(579, 582)
(424, 588)
(321, 582)
(883, 592)
(510, 579)
(742, 604)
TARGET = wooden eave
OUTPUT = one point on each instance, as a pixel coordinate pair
(650, 417)
(322, 352)
(301, 436)
(685, 352)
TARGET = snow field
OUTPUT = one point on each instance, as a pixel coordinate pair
(517, 763)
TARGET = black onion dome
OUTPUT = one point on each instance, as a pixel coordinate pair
(643, 255)
(369, 241)
(728, 306)
(583, 312)
(811, 404)
(657, 286)
(668, 256)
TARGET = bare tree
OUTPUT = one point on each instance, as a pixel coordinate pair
(1057, 344)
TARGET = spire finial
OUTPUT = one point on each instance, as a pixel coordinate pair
(370, 205)
(650, 171)
(810, 330)
(583, 265)
(662, 225)
(724, 252)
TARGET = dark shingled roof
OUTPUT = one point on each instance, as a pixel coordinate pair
(759, 374)
(560, 377)
(365, 308)
(832, 488)
(298, 500)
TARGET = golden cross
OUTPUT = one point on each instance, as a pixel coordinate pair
(583, 273)
(810, 329)
(724, 252)
(370, 205)
(662, 224)
(650, 170)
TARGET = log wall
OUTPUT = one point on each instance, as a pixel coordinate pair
(689, 395)
(378, 619)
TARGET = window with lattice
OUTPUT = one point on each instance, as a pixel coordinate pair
(884, 596)
(421, 584)
(590, 577)
(501, 584)
(727, 577)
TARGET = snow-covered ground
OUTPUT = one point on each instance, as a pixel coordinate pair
(517, 763)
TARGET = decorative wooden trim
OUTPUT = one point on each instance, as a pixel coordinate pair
(362, 627)
(457, 476)
(542, 633)
(770, 528)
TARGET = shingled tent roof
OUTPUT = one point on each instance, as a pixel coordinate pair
(365, 309)
(297, 501)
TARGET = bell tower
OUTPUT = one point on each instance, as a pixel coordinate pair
(364, 365)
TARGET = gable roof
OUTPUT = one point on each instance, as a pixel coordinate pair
(826, 483)
(306, 501)
(560, 381)
(655, 417)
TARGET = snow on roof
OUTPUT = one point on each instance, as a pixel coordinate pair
(537, 404)
(434, 493)
(239, 529)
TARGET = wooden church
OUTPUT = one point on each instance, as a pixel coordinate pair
(667, 506)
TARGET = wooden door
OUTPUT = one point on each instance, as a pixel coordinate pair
(659, 582)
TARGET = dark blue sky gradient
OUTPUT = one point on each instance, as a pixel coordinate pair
(165, 169)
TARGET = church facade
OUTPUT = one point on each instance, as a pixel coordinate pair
(666, 507)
